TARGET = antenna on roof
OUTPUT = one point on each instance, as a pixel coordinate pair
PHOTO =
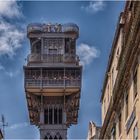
(3, 124)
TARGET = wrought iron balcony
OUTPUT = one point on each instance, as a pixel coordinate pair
(37, 83)
(53, 58)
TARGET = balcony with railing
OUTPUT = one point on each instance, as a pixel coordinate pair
(53, 58)
(56, 80)
(34, 83)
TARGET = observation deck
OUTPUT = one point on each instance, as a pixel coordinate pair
(52, 81)
(52, 59)
(51, 29)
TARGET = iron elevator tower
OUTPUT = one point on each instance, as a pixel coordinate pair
(53, 78)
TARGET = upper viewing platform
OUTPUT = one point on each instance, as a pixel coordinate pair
(52, 58)
(48, 29)
(52, 44)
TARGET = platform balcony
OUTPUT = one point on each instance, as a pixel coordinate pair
(52, 58)
(53, 82)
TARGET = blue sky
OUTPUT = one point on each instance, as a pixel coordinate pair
(97, 22)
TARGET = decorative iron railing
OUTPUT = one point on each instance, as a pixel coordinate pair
(53, 58)
(32, 83)
(49, 28)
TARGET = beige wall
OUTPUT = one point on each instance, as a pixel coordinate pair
(93, 131)
(114, 115)
(112, 74)
(133, 102)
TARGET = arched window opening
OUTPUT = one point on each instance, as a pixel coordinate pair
(60, 138)
(46, 116)
(55, 116)
(36, 48)
(50, 138)
(46, 138)
(60, 116)
(50, 116)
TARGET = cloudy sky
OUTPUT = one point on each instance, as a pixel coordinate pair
(97, 22)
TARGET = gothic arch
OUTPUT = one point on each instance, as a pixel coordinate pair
(60, 138)
(46, 138)
(50, 138)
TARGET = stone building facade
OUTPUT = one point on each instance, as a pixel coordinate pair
(121, 89)
(93, 131)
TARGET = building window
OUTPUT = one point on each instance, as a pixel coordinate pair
(130, 6)
(36, 48)
(126, 107)
(113, 133)
(118, 52)
(67, 45)
(135, 84)
(45, 50)
(52, 51)
(108, 93)
(46, 116)
(120, 124)
(112, 77)
(135, 132)
(60, 116)
(53, 115)
(104, 106)
(50, 116)
(52, 46)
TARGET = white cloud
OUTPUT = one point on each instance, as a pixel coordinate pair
(87, 53)
(12, 74)
(8, 73)
(94, 6)
(2, 67)
(10, 35)
(19, 125)
(9, 8)
(10, 38)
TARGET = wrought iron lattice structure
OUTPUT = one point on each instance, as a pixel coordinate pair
(53, 78)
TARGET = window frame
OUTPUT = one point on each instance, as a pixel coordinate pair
(135, 131)
(126, 105)
(135, 84)
(120, 123)
(113, 132)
